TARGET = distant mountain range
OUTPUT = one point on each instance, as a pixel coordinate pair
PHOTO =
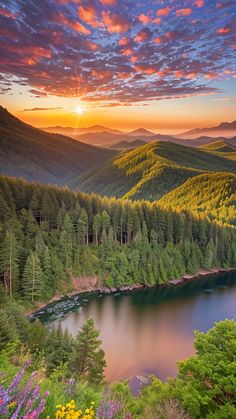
(225, 129)
(36, 155)
(71, 131)
(105, 137)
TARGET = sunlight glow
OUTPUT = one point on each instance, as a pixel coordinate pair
(79, 110)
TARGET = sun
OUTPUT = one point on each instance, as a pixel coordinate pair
(79, 110)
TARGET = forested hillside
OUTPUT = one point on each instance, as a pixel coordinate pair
(49, 235)
(150, 171)
(36, 155)
(212, 195)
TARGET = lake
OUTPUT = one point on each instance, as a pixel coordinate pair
(148, 330)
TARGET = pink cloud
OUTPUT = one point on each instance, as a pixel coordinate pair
(108, 2)
(115, 23)
(124, 41)
(164, 12)
(210, 76)
(183, 12)
(199, 3)
(145, 19)
(76, 26)
(157, 20)
(143, 35)
(7, 13)
(157, 40)
(223, 31)
(127, 51)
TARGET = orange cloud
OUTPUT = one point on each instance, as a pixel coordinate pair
(223, 31)
(157, 40)
(191, 76)
(134, 59)
(157, 20)
(108, 2)
(199, 3)
(91, 45)
(123, 41)
(127, 51)
(183, 12)
(30, 61)
(164, 12)
(77, 26)
(149, 71)
(144, 19)
(142, 36)
(88, 15)
(115, 23)
(179, 74)
(210, 76)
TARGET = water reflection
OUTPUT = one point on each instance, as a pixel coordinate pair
(148, 331)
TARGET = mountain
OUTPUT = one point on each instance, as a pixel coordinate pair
(127, 144)
(73, 132)
(210, 194)
(150, 171)
(220, 146)
(141, 132)
(225, 129)
(36, 155)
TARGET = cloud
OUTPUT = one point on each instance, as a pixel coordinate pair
(116, 52)
(223, 31)
(115, 23)
(164, 12)
(88, 14)
(40, 109)
(183, 12)
(199, 3)
(108, 2)
(145, 19)
(143, 35)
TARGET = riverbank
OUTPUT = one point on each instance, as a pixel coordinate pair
(92, 286)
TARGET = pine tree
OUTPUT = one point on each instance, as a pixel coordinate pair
(32, 283)
(97, 223)
(66, 242)
(90, 361)
(9, 264)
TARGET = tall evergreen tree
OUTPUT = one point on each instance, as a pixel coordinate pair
(32, 283)
(90, 358)
(9, 263)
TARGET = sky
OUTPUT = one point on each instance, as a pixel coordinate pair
(163, 65)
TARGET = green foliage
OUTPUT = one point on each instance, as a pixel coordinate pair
(117, 241)
(90, 358)
(212, 195)
(207, 380)
(151, 171)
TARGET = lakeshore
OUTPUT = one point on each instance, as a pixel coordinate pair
(80, 287)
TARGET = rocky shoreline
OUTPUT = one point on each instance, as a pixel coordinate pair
(105, 290)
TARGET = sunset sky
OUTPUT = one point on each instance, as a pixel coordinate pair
(163, 65)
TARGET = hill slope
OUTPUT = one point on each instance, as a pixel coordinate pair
(209, 194)
(36, 155)
(150, 171)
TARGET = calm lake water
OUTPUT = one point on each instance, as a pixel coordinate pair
(149, 330)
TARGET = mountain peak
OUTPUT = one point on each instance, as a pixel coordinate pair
(141, 131)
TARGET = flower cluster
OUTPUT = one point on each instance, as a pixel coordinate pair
(26, 402)
(69, 411)
(108, 408)
(70, 386)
